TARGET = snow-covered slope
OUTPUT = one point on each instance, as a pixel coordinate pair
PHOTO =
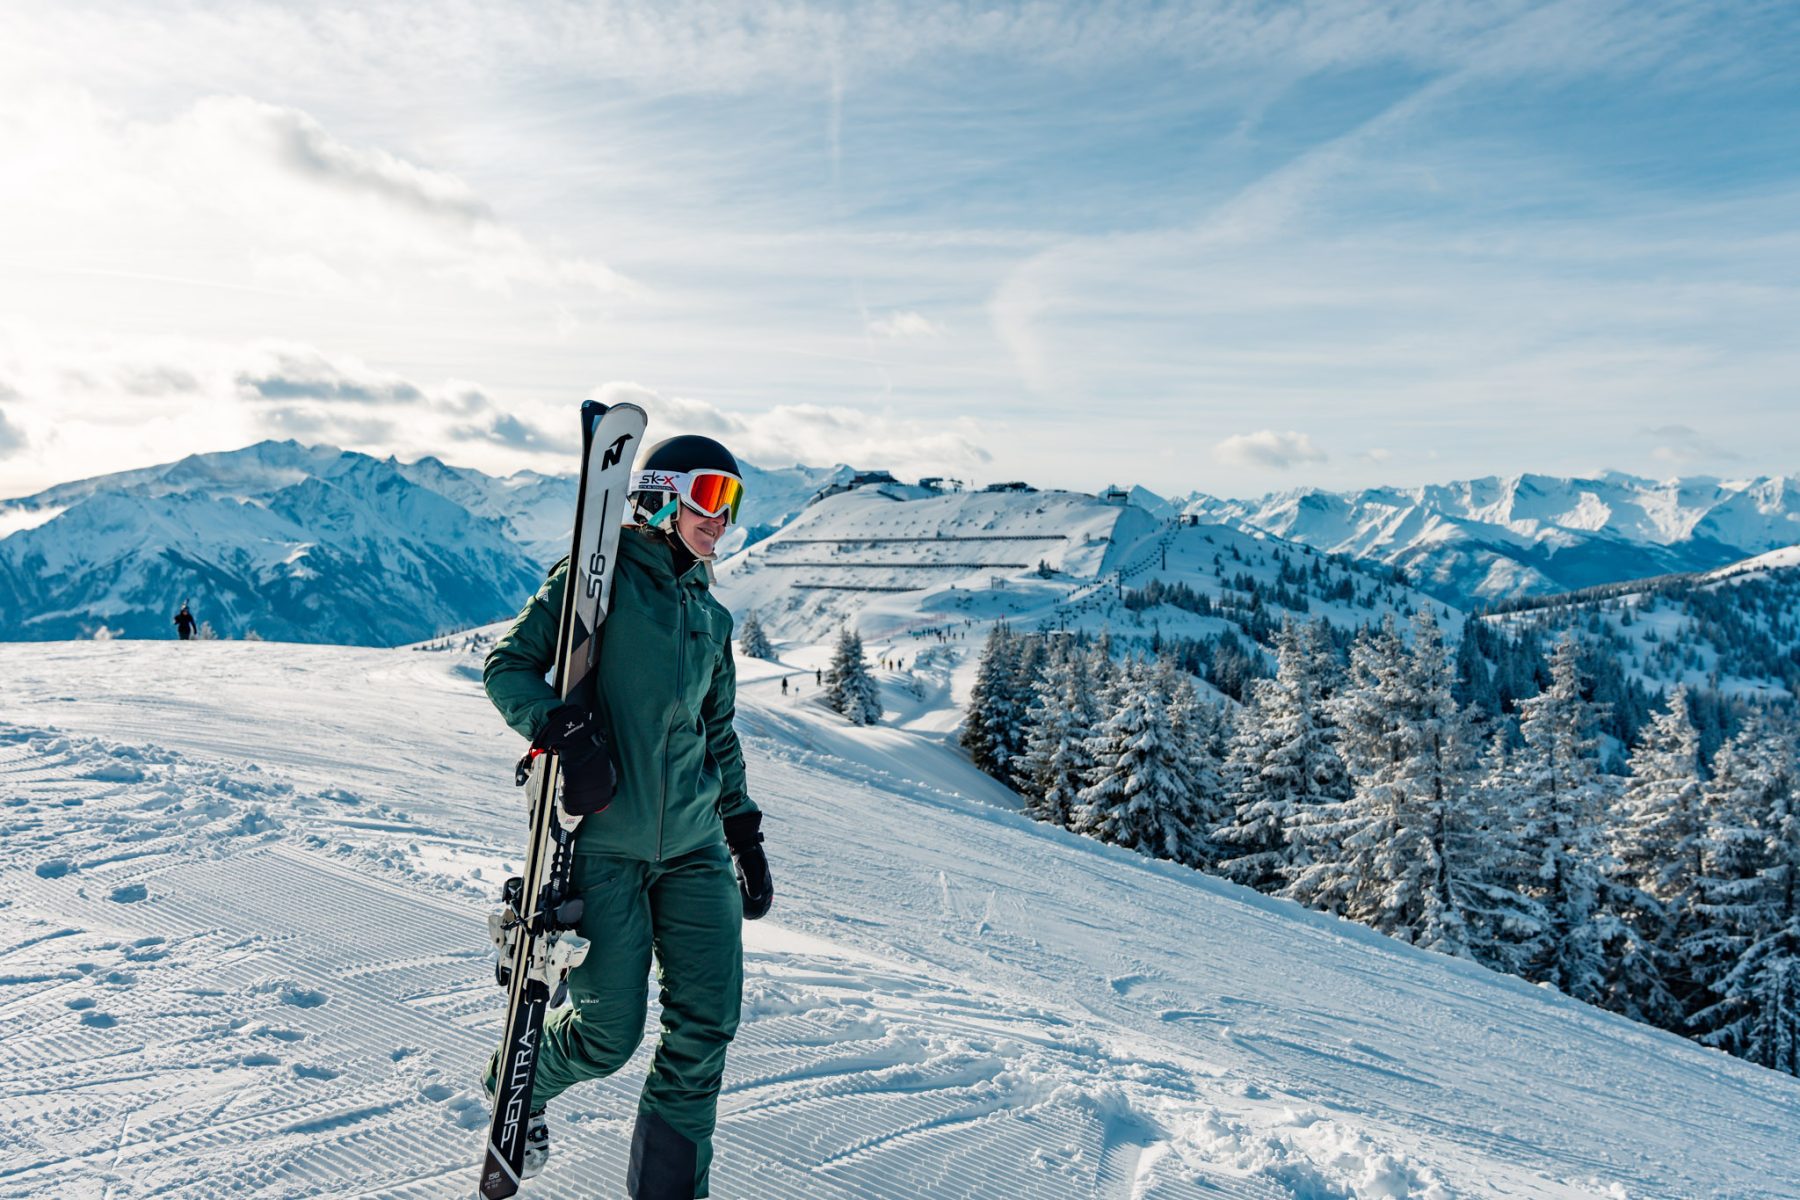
(1735, 628)
(1491, 538)
(1761, 565)
(889, 558)
(238, 960)
(892, 563)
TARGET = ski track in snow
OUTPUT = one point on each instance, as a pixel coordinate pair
(242, 954)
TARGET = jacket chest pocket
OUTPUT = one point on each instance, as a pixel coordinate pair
(707, 632)
(710, 626)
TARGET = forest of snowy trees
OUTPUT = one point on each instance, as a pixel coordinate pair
(1482, 809)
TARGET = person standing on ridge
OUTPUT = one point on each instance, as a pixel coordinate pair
(653, 755)
(184, 622)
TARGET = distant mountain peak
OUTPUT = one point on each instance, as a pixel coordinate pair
(393, 551)
(1493, 537)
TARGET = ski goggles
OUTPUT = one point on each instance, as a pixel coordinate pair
(708, 492)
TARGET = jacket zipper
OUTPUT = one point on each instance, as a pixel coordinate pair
(680, 650)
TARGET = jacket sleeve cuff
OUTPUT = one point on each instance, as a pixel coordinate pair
(744, 829)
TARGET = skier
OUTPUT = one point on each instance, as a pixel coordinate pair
(184, 622)
(784, 685)
(654, 757)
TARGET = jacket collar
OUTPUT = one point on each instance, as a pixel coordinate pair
(650, 550)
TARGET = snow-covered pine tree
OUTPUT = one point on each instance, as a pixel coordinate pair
(1138, 798)
(1103, 674)
(1561, 800)
(1748, 952)
(1475, 687)
(1191, 735)
(1327, 666)
(1507, 927)
(1279, 760)
(1056, 763)
(1328, 852)
(1656, 836)
(753, 639)
(994, 727)
(1405, 858)
(1028, 670)
(849, 688)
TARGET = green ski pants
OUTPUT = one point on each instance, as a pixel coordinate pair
(687, 912)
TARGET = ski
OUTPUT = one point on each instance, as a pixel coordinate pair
(533, 929)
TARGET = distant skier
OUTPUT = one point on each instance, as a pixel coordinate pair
(784, 685)
(185, 623)
(654, 756)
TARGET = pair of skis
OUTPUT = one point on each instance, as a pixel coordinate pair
(534, 927)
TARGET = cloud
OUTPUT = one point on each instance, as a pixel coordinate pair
(1267, 448)
(463, 398)
(813, 434)
(1376, 454)
(1683, 445)
(100, 404)
(238, 193)
(302, 373)
(905, 325)
(293, 138)
(158, 380)
(12, 438)
(508, 429)
(729, 46)
(329, 425)
(1309, 232)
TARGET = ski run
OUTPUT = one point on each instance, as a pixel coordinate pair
(243, 955)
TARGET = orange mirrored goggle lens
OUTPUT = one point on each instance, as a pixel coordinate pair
(710, 495)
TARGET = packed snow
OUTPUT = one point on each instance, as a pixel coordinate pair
(243, 955)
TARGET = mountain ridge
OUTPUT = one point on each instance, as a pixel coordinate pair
(242, 532)
(1471, 541)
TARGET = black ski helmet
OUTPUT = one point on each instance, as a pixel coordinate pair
(685, 452)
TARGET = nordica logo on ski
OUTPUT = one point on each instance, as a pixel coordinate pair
(615, 452)
(516, 1096)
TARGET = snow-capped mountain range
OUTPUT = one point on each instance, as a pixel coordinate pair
(300, 543)
(318, 544)
(1480, 540)
(293, 542)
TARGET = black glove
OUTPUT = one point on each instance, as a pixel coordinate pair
(743, 833)
(589, 775)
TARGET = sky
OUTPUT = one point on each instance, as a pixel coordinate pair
(1219, 245)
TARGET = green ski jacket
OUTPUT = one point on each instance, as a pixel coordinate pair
(665, 690)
